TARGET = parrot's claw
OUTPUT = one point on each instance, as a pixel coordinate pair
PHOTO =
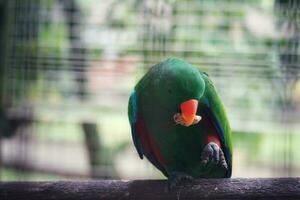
(212, 153)
(176, 178)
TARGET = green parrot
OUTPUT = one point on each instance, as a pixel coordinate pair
(179, 124)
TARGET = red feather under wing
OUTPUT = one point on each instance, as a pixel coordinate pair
(150, 147)
(212, 134)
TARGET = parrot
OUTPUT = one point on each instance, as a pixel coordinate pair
(178, 122)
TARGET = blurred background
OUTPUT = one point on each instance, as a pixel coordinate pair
(67, 68)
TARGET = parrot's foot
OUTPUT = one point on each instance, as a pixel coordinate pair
(212, 154)
(176, 178)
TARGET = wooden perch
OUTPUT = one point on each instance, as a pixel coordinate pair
(239, 188)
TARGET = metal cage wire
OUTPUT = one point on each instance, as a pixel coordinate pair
(70, 66)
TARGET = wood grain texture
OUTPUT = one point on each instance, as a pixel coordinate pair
(237, 188)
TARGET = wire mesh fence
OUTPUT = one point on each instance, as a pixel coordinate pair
(68, 67)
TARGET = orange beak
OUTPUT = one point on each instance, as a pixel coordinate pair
(189, 110)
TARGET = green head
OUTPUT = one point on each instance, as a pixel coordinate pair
(178, 86)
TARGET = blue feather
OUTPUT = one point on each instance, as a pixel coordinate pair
(133, 110)
(133, 98)
(219, 128)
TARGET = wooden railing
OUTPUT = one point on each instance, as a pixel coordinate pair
(236, 188)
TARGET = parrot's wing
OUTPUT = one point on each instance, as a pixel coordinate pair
(132, 114)
(215, 111)
(141, 138)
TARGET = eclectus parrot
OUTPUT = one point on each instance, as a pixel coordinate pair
(179, 124)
